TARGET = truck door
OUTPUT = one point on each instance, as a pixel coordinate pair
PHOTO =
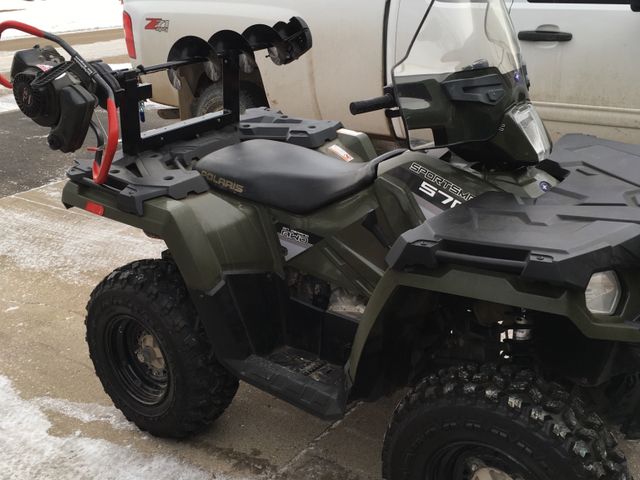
(348, 58)
(583, 59)
(403, 20)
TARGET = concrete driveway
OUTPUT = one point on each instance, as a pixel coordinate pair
(55, 420)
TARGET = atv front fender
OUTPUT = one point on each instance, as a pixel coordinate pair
(495, 287)
(206, 233)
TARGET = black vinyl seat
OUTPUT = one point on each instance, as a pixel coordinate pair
(285, 176)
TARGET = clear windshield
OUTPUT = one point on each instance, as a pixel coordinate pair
(459, 41)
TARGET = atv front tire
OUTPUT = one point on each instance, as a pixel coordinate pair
(469, 423)
(151, 353)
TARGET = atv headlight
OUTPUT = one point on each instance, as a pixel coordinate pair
(603, 293)
(526, 117)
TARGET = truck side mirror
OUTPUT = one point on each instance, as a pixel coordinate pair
(635, 5)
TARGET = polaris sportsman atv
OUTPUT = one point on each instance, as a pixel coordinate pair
(494, 280)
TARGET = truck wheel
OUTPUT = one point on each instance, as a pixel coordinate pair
(210, 100)
(506, 423)
(151, 353)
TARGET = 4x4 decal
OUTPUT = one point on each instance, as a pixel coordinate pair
(294, 242)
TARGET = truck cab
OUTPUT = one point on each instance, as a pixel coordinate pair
(578, 57)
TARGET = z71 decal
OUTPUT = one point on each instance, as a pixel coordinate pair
(157, 24)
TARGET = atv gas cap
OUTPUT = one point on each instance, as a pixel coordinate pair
(603, 293)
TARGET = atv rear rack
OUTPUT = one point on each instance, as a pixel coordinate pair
(122, 89)
(167, 169)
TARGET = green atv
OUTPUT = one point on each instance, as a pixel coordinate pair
(485, 276)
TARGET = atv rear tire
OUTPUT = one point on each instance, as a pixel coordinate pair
(151, 353)
(469, 423)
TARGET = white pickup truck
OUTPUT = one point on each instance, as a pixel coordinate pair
(582, 58)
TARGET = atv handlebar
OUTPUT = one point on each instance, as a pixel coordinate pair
(373, 104)
(102, 160)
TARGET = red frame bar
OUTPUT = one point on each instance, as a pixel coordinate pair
(100, 169)
(23, 27)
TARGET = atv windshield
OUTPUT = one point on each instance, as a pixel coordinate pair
(462, 72)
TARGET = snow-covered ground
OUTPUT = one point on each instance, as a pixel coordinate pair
(29, 451)
(59, 16)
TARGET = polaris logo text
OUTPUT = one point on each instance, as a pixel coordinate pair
(220, 182)
(157, 24)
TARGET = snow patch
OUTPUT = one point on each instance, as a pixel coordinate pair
(28, 451)
(74, 247)
(58, 16)
(86, 412)
(8, 104)
(120, 66)
(11, 309)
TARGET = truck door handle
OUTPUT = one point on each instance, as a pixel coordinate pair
(544, 36)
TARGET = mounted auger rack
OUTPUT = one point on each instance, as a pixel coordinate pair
(63, 95)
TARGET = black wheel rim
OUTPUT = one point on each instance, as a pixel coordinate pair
(138, 361)
(474, 461)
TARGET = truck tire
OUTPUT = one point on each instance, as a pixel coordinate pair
(210, 100)
(151, 352)
(501, 423)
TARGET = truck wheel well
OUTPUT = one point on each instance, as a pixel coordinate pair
(209, 97)
(247, 83)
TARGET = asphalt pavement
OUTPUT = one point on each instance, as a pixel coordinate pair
(27, 162)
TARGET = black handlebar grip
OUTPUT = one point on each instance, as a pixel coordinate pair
(373, 104)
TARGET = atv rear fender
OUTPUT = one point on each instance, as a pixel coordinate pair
(206, 234)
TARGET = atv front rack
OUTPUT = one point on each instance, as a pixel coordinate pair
(590, 223)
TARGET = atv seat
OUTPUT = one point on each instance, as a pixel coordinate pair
(285, 176)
